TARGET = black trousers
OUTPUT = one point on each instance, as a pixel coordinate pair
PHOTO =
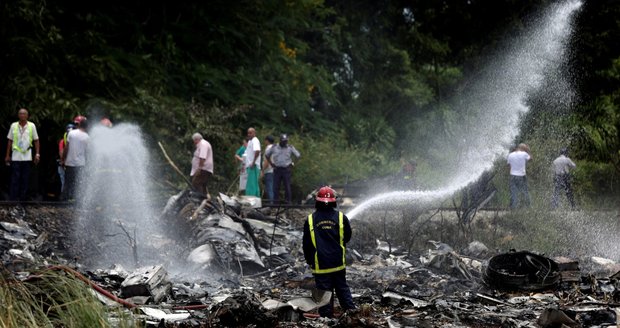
(334, 281)
(20, 176)
(282, 175)
(200, 180)
(561, 184)
(72, 181)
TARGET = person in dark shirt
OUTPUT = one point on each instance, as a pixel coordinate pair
(326, 233)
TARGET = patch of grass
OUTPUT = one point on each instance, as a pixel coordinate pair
(575, 234)
(568, 233)
(53, 299)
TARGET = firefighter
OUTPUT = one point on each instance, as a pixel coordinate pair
(326, 233)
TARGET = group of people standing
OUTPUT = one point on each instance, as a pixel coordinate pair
(562, 165)
(275, 169)
(23, 136)
(72, 147)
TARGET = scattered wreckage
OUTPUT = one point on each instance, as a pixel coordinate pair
(244, 267)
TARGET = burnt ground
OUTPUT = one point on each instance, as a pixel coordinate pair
(438, 287)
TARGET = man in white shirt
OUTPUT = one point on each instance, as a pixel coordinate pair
(517, 160)
(22, 136)
(74, 158)
(202, 164)
(561, 180)
(252, 164)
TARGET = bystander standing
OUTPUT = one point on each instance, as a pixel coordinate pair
(280, 157)
(61, 149)
(202, 165)
(517, 160)
(561, 179)
(267, 172)
(21, 138)
(252, 164)
(74, 157)
(240, 159)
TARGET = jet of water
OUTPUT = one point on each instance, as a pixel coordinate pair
(495, 105)
(118, 218)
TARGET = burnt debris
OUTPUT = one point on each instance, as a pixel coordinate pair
(237, 265)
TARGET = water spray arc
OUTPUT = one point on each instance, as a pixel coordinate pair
(498, 99)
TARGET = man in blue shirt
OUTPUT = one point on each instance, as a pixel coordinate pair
(280, 158)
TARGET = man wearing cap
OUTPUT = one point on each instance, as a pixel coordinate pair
(280, 157)
(22, 136)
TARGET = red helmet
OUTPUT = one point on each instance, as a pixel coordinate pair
(78, 119)
(326, 194)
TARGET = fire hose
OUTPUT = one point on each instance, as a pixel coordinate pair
(111, 296)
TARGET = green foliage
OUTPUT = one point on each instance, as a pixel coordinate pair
(167, 120)
(330, 160)
(375, 74)
(370, 133)
(575, 233)
(600, 135)
(596, 184)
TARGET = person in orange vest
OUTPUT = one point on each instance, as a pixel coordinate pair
(326, 233)
(22, 136)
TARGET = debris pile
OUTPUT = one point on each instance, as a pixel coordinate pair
(241, 265)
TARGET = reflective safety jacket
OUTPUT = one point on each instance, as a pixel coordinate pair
(16, 146)
(326, 233)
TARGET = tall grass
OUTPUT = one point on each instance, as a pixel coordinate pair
(576, 234)
(53, 299)
(561, 232)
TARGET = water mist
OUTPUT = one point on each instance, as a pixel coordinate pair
(118, 222)
(495, 104)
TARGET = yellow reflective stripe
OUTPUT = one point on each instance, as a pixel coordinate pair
(316, 252)
(16, 137)
(342, 267)
(341, 224)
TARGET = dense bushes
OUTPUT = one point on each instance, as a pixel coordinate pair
(370, 85)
